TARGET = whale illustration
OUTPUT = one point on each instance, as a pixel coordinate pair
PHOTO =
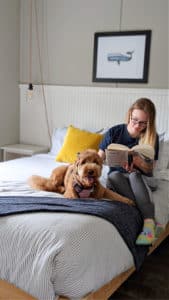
(119, 57)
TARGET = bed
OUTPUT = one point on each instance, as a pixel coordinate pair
(49, 255)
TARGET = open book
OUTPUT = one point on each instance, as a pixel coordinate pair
(117, 155)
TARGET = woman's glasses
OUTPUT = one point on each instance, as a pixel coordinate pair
(137, 122)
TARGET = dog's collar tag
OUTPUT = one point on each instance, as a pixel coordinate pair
(85, 193)
(82, 192)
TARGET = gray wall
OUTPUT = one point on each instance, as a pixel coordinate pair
(66, 34)
(9, 72)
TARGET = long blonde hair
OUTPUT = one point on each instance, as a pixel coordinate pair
(148, 135)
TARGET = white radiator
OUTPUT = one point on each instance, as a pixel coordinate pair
(85, 107)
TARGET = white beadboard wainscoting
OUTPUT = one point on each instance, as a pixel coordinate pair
(84, 107)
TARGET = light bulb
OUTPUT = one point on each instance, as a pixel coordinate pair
(30, 91)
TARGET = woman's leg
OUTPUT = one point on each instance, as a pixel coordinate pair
(142, 195)
(132, 186)
(146, 207)
(119, 183)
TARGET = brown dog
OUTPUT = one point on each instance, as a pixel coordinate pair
(78, 180)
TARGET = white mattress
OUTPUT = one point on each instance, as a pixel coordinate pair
(50, 254)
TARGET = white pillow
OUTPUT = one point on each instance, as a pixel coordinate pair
(57, 140)
(166, 154)
(163, 160)
(104, 130)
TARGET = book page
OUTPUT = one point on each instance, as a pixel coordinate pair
(116, 158)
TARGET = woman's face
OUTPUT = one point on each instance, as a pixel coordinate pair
(138, 122)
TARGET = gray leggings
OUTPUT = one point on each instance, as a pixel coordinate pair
(132, 185)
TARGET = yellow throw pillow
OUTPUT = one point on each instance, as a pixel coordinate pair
(77, 140)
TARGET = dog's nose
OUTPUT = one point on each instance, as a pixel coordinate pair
(90, 172)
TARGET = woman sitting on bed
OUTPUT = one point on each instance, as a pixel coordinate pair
(132, 180)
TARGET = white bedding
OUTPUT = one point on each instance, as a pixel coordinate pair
(50, 254)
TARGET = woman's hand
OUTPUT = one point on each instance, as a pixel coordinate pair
(128, 167)
(101, 153)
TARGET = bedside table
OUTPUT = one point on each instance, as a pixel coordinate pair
(19, 150)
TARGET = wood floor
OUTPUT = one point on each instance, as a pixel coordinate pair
(152, 281)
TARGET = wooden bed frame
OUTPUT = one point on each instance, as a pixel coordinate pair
(10, 292)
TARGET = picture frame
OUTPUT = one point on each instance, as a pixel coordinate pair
(121, 56)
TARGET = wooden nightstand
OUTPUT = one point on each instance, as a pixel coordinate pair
(20, 150)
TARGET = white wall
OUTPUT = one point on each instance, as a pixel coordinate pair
(9, 71)
(66, 36)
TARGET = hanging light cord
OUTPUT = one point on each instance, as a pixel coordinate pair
(41, 74)
(30, 86)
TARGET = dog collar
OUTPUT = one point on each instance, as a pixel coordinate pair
(81, 191)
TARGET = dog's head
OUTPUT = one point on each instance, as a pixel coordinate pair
(88, 167)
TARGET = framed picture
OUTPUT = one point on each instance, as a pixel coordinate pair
(121, 56)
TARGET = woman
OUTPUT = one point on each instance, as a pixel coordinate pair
(132, 179)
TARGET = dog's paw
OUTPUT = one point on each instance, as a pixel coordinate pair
(60, 189)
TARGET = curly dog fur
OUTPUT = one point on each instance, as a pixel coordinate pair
(78, 180)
